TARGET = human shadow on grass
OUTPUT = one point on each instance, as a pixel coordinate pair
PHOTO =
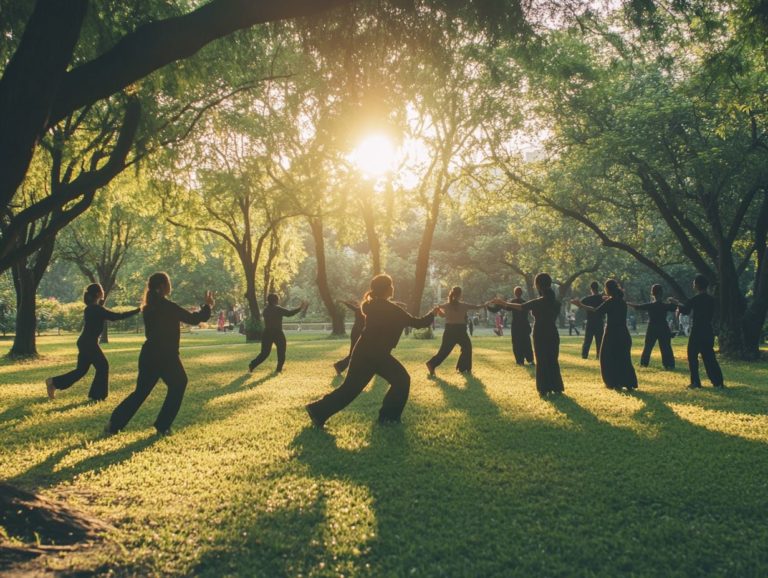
(46, 473)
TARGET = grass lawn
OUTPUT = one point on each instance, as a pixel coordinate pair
(483, 478)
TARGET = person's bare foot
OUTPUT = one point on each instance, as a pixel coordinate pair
(431, 369)
(50, 388)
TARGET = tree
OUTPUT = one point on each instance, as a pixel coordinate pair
(649, 145)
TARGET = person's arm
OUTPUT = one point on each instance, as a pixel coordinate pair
(599, 309)
(196, 317)
(683, 308)
(639, 306)
(110, 315)
(409, 320)
(352, 306)
(289, 312)
(506, 305)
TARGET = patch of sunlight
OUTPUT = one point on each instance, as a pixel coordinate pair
(350, 524)
(621, 411)
(210, 359)
(747, 426)
(101, 448)
(243, 392)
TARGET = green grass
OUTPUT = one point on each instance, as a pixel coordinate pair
(483, 478)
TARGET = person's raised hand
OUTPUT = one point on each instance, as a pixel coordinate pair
(576, 301)
(209, 299)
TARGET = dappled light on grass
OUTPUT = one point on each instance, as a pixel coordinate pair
(483, 476)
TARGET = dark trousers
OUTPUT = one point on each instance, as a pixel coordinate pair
(362, 368)
(88, 354)
(590, 332)
(703, 345)
(664, 337)
(521, 344)
(268, 338)
(572, 328)
(153, 367)
(342, 364)
(454, 334)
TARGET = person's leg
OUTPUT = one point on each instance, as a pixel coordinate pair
(266, 349)
(100, 385)
(693, 361)
(585, 346)
(399, 386)
(465, 357)
(446, 346)
(281, 349)
(68, 379)
(667, 355)
(711, 366)
(650, 342)
(518, 346)
(175, 378)
(149, 373)
(361, 370)
(341, 364)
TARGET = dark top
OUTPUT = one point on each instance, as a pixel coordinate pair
(95, 315)
(616, 312)
(384, 322)
(544, 310)
(161, 324)
(702, 306)
(519, 318)
(273, 316)
(594, 318)
(657, 312)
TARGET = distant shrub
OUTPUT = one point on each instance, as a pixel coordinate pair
(425, 333)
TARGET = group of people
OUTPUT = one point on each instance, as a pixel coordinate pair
(379, 323)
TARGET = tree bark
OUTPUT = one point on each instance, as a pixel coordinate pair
(374, 244)
(337, 317)
(25, 339)
(254, 311)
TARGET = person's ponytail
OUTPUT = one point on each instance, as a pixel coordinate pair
(153, 292)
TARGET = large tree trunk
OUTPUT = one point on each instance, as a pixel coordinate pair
(731, 307)
(337, 317)
(252, 329)
(422, 264)
(24, 341)
(373, 238)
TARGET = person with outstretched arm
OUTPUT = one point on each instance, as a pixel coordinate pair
(88, 350)
(273, 332)
(159, 357)
(354, 334)
(372, 355)
(520, 329)
(658, 328)
(546, 339)
(455, 333)
(616, 346)
(702, 338)
(595, 321)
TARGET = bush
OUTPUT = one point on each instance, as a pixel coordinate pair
(253, 329)
(425, 333)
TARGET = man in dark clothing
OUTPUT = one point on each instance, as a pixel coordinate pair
(702, 338)
(594, 328)
(658, 329)
(273, 332)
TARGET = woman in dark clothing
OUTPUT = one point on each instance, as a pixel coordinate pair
(159, 357)
(520, 330)
(273, 332)
(616, 348)
(354, 335)
(372, 355)
(455, 313)
(702, 338)
(658, 329)
(88, 350)
(546, 339)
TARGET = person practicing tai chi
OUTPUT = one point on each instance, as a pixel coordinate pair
(455, 313)
(658, 328)
(159, 357)
(372, 355)
(702, 338)
(88, 350)
(546, 339)
(273, 332)
(520, 330)
(595, 321)
(354, 335)
(616, 347)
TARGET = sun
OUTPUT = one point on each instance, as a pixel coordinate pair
(374, 155)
